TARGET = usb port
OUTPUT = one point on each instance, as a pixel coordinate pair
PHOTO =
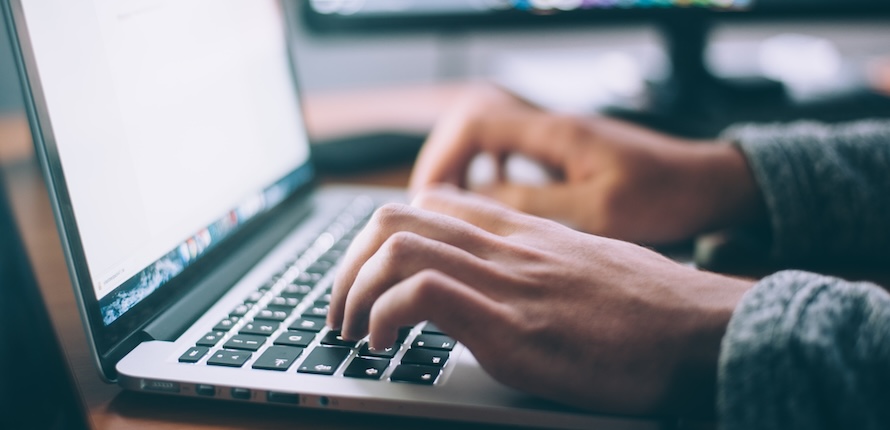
(275, 397)
(205, 390)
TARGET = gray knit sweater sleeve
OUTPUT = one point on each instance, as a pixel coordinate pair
(804, 351)
(826, 187)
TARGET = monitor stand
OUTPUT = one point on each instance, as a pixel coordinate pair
(693, 102)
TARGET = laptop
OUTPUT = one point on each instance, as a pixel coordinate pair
(37, 390)
(200, 248)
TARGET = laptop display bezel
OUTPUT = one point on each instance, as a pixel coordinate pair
(110, 342)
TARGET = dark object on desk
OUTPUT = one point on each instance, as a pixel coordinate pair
(37, 390)
(362, 153)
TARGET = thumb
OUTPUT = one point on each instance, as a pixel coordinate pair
(559, 202)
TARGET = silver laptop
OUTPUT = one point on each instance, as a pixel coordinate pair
(201, 252)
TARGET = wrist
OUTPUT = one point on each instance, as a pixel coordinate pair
(693, 386)
(726, 182)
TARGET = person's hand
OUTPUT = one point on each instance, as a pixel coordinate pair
(572, 317)
(614, 179)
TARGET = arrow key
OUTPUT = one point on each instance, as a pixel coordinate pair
(193, 354)
(228, 358)
(245, 342)
(324, 360)
(277, 358)
(366, 368)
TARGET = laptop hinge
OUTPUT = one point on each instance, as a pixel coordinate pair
(175, 320)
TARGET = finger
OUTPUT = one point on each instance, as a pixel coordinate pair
(456, 308)
(456, 140)
(472, 208)
(402, 256)
(558, 201)
(389, 220)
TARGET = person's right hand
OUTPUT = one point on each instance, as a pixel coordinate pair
(614, 178)
(588, 321)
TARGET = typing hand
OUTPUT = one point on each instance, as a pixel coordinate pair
(576, 318)
(612, 178)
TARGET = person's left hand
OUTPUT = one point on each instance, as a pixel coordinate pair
(608, 177)
(576, 318)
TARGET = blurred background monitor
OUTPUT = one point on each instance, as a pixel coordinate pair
(377, 15)
(688, 99)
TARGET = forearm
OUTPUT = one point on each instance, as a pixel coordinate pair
(804, 351)
(824, 187)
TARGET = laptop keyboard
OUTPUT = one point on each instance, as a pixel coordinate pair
(281, 326)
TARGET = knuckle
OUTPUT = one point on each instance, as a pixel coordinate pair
(571, 131)
(429, 280)
(465, 115)
(401, 245)
(426, 286)
(390, 214)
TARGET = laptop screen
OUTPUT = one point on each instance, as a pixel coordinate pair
(175, 122)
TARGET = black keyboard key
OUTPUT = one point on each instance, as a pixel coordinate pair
(272, 315)
(426, 357)
(318, 309)
(334, 338)
(366, 368)
(260, 328)
(389, 352)
(226, 324)
(324, 298)
(324, 360)
(210, 339)
(245, 342)
(340, 227)
(277, 358)
(194, 354)
(434, 341)
(280, 274)
(254, 296)
(308, 324)
(229, 358)
(332, 256)
(285, 309)
(295, 338)
(241, 309)
(430, 328)
(342, 245)
(320, 267)
(404, 332)
(425, 375)
(307, 278)
(296, 290)
(284, 302)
